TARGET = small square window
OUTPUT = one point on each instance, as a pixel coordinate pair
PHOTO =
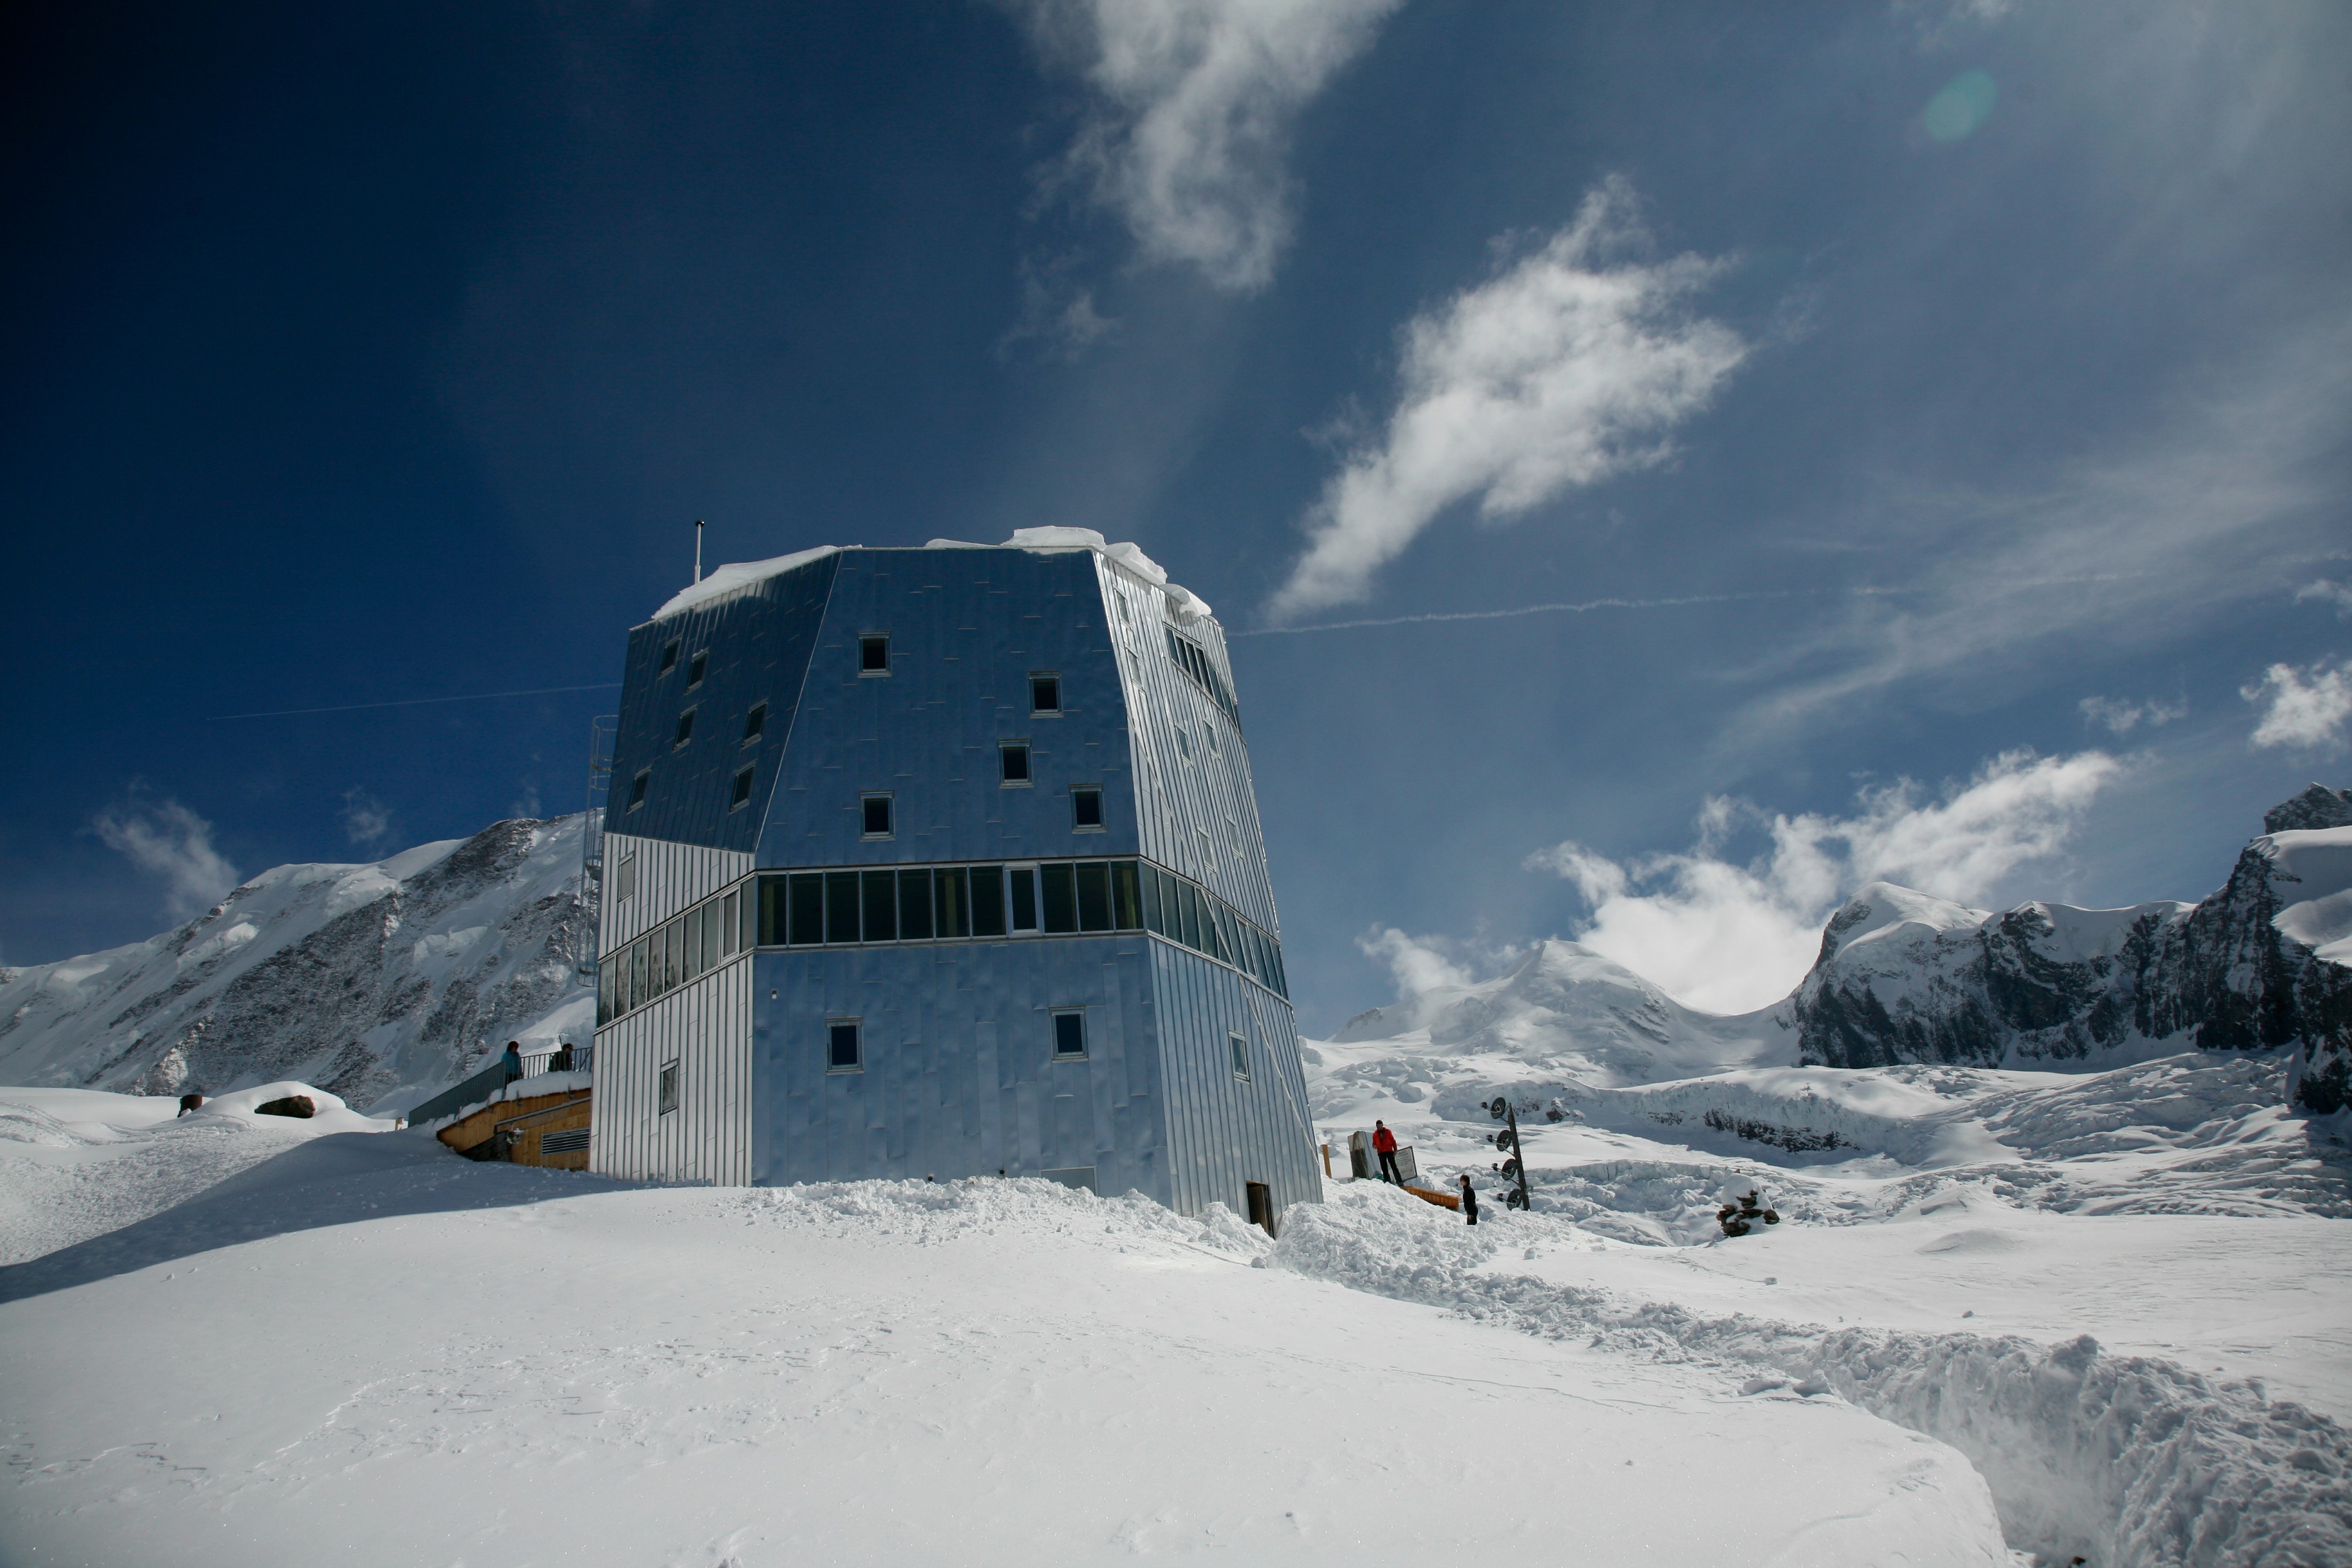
(695, 667)
(670, 655)
(1044, 694)
(1013, 762)
(1070, 1033)
(638, 787)
(755, 723)
(843, 1051)
(1087, 810)
(742, 796)
(876, 815)
(684, 729)
(665, 1091)
(1241, 1056)
(624, 880)
(874, 654)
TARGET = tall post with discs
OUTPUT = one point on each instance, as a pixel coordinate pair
(1515, 1163)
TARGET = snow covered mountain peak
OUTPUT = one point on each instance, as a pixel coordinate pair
(374, 981)
(1563, 1013)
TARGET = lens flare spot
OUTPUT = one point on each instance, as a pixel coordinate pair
(1961, 107)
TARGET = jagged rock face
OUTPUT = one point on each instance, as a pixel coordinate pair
(361, 979)
(1903, 977)
(2315, 807)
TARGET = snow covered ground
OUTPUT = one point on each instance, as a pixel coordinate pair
(366, 1349)
(2100, 1315)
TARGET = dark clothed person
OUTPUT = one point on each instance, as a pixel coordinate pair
(1469, 1201)
(1384, 1143)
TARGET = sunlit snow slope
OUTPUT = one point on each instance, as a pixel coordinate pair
(380, 982)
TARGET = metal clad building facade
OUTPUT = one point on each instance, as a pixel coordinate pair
(943, 862)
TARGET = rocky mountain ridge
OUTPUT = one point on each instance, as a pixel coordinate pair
(2259, 965)
(378, 983)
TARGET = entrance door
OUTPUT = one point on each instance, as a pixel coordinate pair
(1261, 1205)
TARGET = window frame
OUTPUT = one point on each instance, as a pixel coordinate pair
(741, 795)
(698, 668)
(685, 734)
(866, 799)
(1058, 1014)
(1057, 710)
(1101, 823)
(638, 788)
(1006, 749)
(670, 655)
(1239, 1045)
(866, 642)
(668, 1091)
(755, 723)
(624, 879)
(856, 1027)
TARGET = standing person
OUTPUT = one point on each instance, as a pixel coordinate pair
(512, 1061)
(1384, 1143)
(1469, 1199)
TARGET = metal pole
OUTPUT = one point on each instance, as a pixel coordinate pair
(698, 552)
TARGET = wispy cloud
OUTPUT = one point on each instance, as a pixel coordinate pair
(366, 819)
(1418, 963)
(1058, 313)
(1730, 937)
(2205, 510)
(1193, 103)
(2121, 717)
(2304, 708)
(2337, 594)
(166, 839)
(1570, 365)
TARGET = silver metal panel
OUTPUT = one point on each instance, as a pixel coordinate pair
(706, 1028)
(966, 628)
(670, 878)
(1222, 1131)
(1189, 808)
(959, 1077)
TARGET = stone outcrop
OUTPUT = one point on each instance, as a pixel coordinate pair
(1905, 977)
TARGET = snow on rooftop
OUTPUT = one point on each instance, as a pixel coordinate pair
(738, 576)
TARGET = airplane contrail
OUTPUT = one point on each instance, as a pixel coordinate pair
(1578, 607)
(416, 701)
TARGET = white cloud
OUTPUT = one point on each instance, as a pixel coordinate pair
(2336, 594)
(169, 841)
(2307, 708)
(1730, 937)
(1418, 963)
(1194, 104)
(1559, 372)
(365, 818)
(2121, 717)
(1055, 313)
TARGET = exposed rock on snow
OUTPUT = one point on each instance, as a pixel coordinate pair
(2260, 965)
(367, 979)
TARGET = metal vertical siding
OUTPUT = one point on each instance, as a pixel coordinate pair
(670, 878)
(706, 1028)
(1223, 1131)
(1178, 799)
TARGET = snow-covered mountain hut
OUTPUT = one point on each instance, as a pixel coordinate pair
(941, 863)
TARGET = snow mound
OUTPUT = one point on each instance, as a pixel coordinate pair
(2130, 1461)
(736, 577)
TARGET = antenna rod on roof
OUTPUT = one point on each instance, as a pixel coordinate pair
(698, 552)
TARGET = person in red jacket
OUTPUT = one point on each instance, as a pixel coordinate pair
(1384, 1143)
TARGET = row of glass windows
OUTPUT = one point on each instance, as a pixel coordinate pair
(674, 953)
(930, 903)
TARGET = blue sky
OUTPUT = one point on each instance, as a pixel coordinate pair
(1934, 418)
